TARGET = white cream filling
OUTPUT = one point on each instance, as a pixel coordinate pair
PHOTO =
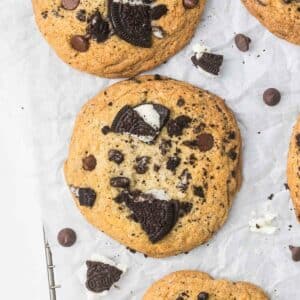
(264, 224)
(131, 2)
(83, 270)
(159, 194)
(149, 115)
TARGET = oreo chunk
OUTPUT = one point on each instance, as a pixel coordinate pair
(141, 165)
(158, 11)
(115, 156)
(165, 146)
(101, 276)
(131, 22)
(173, 162)
(87, 197)
(184, 180)
(203, 296)
(97, 28)
(208, 62)
(144, 121)
(157, 217)
(176, 126)
(120, 182)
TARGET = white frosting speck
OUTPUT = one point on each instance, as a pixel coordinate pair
(159, 194)
(83, 270)
(149, 115)
(264, 224)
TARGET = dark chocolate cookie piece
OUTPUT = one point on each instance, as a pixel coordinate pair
(101, 276)
(131, 22)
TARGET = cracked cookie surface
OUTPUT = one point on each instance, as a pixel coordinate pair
(281, 17)
(194, 285)
(116, 38)
(165, 164)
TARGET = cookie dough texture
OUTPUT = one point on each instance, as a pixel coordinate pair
(179, 284)
(281, 17)
(293, 168)
(114, 57)
(216, 171)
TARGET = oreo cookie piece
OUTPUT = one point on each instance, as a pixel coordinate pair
(97, 28)
(87, 197)
(208, 62)
(144, 121)
(131, 21)
(101, 276)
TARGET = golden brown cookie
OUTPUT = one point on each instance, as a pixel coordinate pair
(281, 17)
(293, 168)
(155, 163)
(194, 285)
(117, 38)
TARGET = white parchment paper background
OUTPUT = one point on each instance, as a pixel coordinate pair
(52, 93)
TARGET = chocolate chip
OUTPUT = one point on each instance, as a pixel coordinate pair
(115, 156)
(190, 3)
(295, 253)
(120, 182)
(205, 142)
(80, 43)
(105, 130)
(97, 28)
(298, 140)
(242, 42)
(176, 126)
(87, 197)
(137, 32)
(165, 146)
(209, 62)
(203, 296)
(198, 191)
(101, 276)
(141, 165)
(271, 97)
(70, 4)
(89, 163)
(66, 237)
(180, 102)
(173, 162)
(158, 11)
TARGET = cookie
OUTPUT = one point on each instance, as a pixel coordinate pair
(281, 17)
(165, 167)
(293, 167)
(194, 285)
(117, 38)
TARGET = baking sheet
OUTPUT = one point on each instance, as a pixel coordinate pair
(53, 93)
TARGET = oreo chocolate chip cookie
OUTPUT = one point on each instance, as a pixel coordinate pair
(156, 182)
(194, 285)
(117, 38)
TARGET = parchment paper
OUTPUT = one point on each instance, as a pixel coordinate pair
(53, 93)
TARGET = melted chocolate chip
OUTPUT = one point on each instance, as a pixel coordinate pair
(115, 156)
(101, 277)
(271, 97)
(158, 11)
(131, 23)
(198, 191)
(70, 4)
(97, 29)
(141, 165)
(89, 163)
(205, 142)
(87, 197)
(242, 42)
(173, 162)
(176, 126)
(66, 237)
(203, 296)
(209, 62)
(105, 130)
(295, 253)
(120, 182)
(80, 43)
